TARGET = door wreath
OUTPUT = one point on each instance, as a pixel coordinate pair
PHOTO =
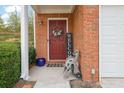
(57, 32)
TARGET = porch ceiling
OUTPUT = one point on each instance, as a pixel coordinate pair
(45, 9)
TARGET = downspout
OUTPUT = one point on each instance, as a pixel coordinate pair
(34, 22)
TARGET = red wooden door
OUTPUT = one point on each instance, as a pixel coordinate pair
(57, 44)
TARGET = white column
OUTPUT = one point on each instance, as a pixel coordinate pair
(24, 43)
(34, 30)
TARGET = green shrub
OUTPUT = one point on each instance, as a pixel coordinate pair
(9, 64)
(32, 55)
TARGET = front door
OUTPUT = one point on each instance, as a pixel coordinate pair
(57, 39)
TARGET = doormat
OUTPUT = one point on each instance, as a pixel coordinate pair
(55, 65)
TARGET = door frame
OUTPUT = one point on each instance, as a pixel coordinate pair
(48, 19)
(100, 76)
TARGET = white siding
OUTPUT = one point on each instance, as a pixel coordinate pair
(112, 41)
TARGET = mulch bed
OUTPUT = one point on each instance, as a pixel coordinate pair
(24, 84)
(84, 84)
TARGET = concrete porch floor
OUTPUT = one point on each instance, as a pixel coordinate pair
(112, 82)
(49, 77)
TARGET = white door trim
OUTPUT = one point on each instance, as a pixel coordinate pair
(99, 43)
(48, 35)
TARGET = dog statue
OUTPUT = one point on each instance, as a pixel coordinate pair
(72, 65)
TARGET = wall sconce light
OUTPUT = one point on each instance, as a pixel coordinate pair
(40, 22)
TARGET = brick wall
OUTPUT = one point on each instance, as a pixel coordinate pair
(85, 33)
(41, 32)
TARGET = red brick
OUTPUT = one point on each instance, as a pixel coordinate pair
(85, 33)
(41, 32)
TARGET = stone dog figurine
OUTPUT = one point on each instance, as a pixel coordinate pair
(72, 66)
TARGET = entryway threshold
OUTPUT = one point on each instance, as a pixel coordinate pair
(42, 84)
